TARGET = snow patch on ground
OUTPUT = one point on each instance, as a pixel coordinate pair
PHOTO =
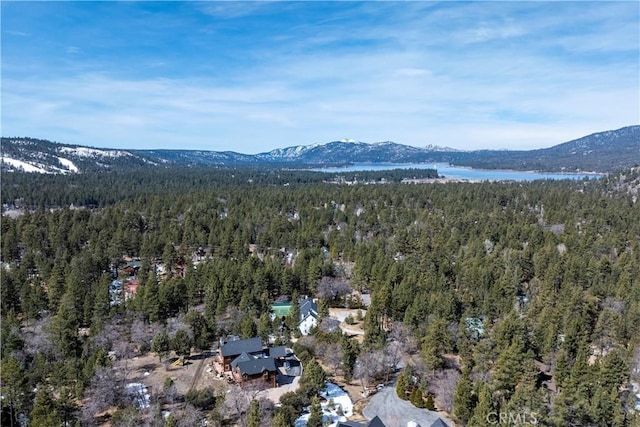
(68, 164)
(341, 410)
(19, 164)
(92, 152)
(140, 395)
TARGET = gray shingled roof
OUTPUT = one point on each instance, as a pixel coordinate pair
(376, 422)
(279, 351)
(257, 366)
(244, 357)
(350, 424)
(308, 307)
(439, 423)
(234, 348)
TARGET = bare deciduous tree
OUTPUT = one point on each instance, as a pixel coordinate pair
(332, 289)
(142, 334)
(329, 325)
(238, 400)
(443, 385)
(38, 339)
(189, 416)
(108, 335)
(229, 320)
(333, 356)
(391, 358)
(104, 391)
(368, 367)
(402, 334)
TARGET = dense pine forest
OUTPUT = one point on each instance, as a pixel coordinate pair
(519, 298)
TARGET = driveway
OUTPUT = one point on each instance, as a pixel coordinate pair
(273, 394)
(395, 412)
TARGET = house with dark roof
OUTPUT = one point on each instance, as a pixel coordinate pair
(439, 423)
(375, 422)
(249, 369)
(232, 349)
(308, 315)
(279, 352)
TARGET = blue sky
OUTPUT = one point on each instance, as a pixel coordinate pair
(254, 76)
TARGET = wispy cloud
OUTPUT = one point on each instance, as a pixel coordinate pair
(255, 76)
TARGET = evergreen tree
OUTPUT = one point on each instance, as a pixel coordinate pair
(350, 352)
(464, 399)
(313, 377)
(13, 387)
(280, 419)
(264, 327)
(66, 324)
(315, 417)
(416, 398)
(44, 412)
(161, 345)
(181, 344)
(485, 407)
(101, 305)
(401, 386)
(509, 369)
(254, 418)
(151, 306)
(436, 343)
(248, 327)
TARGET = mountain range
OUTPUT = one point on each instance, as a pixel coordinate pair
(598, 152)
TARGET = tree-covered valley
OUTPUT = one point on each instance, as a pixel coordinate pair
(485, 298)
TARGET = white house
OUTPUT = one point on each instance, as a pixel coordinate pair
(308, 315)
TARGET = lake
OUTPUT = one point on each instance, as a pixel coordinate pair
(459, 172)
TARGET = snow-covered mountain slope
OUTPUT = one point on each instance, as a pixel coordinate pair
(601, 152)
(41, 156)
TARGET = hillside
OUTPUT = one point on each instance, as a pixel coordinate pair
(600, 152)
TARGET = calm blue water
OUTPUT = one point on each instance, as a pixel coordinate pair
(459, 172)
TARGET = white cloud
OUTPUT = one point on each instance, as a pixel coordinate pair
(447, 74)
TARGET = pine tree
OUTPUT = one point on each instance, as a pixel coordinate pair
(44, 413)
(66, 324)
(181, 344)
(428, 403)
(315, 417)
(561, 372)
(101, 305)
(13, 387)
(464, 399)
(313, 377)
(614, 370)
(264, 327)
(436, 343)
(401, 386)
(280, 419)
(508, 369)
(416, 398)
(350, 352)
(151, 299)
(248, 327)
(485, 407)
(254, 418)
(161, 344)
